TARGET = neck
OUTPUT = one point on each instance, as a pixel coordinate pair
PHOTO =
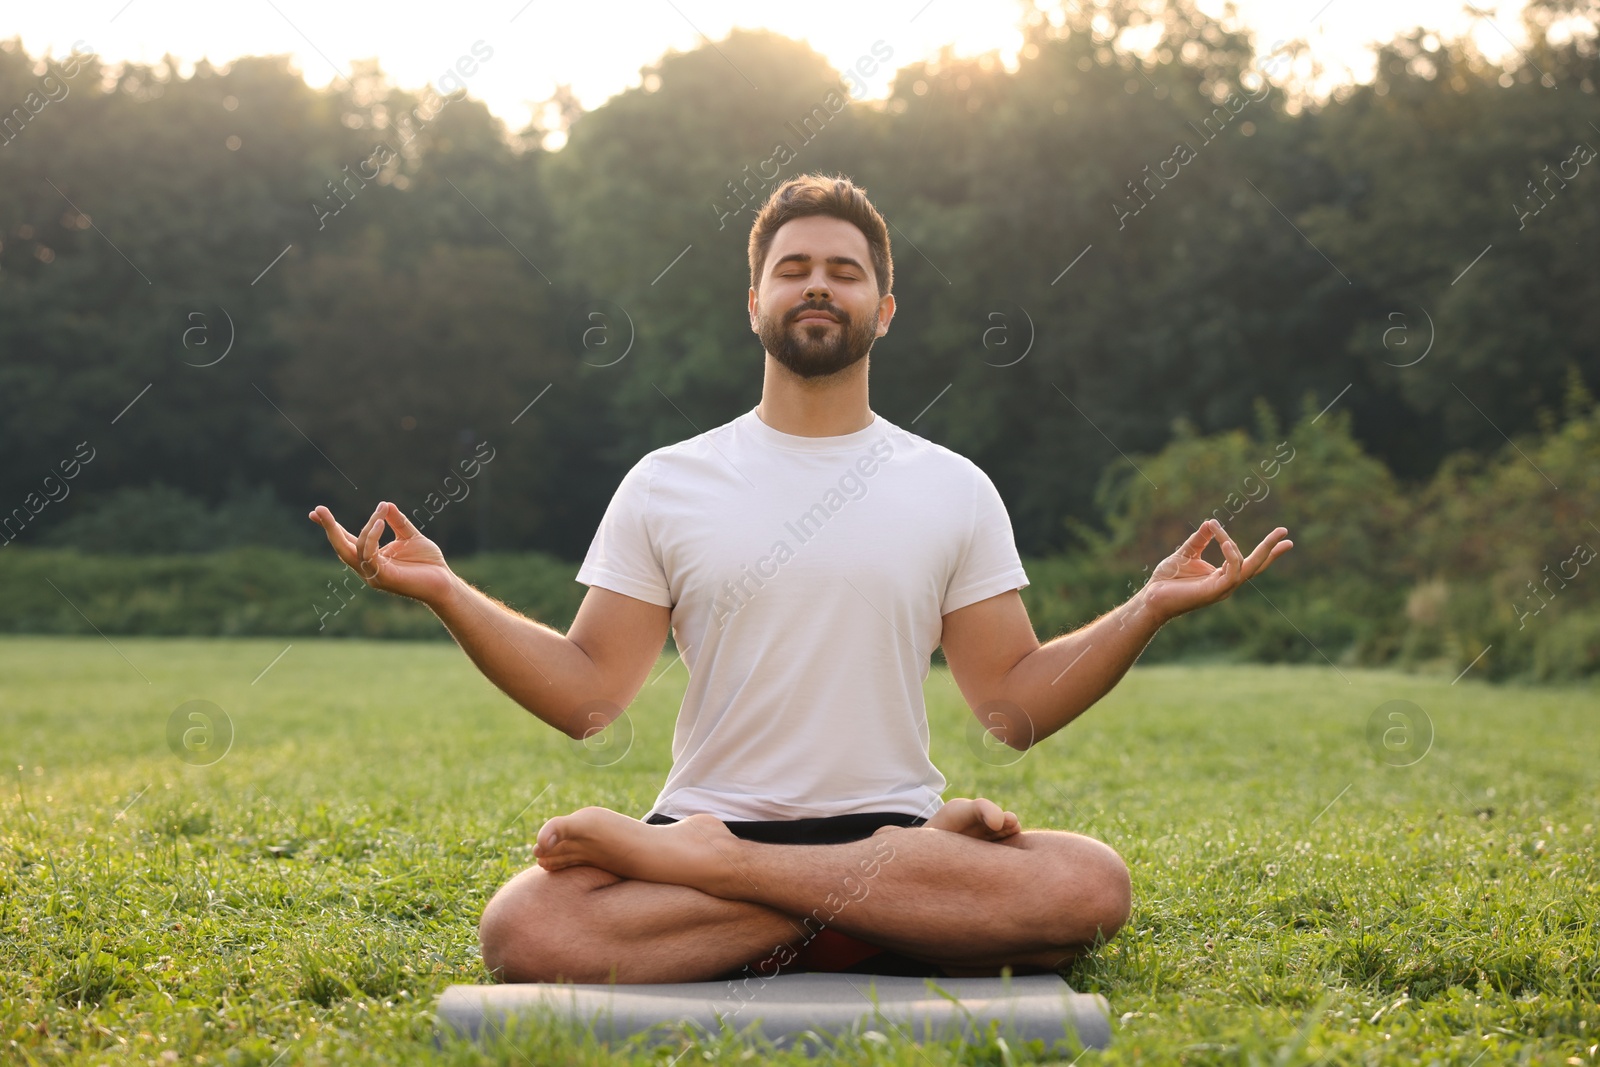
(814, 407)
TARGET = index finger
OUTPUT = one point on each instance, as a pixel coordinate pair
(1232, 558)
(344, 546)
(1197, 541)
(401, 523)
(368, 543)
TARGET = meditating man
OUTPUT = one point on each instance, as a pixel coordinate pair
(808, 556)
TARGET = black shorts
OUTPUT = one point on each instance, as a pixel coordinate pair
(825, 830)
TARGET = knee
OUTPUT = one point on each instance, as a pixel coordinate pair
(525, 935)
(1099, 893)
(1114, 902)
(508, 933)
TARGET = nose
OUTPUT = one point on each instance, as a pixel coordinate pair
(817, 290)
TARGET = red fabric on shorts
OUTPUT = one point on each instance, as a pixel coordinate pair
(832, 951)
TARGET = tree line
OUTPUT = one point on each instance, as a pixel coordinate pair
(245, 296)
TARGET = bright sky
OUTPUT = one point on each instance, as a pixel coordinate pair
(599, 47)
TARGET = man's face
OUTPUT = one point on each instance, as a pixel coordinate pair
(817, 309)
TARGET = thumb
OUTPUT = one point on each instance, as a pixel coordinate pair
(991, 814)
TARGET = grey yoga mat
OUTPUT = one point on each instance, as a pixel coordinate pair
(781, 1009)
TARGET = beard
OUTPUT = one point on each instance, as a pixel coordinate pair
(815, 350)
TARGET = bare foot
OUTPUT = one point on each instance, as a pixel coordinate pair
(981, 818)
(695, 852)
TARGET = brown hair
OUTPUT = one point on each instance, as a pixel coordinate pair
(814, 194)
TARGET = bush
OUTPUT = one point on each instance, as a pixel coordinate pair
(1334, 598)
(1507, 537)
(1570, 649)
(1342, 507)
(159, 519)
(251, 591)
(1485, 556)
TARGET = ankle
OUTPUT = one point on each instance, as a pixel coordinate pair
(731, 873)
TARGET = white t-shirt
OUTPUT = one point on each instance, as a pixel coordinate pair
(807, 577)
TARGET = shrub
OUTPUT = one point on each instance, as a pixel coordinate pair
(1507, 536)
(248, 591)
(159, 519)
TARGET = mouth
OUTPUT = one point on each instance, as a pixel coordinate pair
(815, 316)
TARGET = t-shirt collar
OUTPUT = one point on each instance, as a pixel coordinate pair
(760, 431)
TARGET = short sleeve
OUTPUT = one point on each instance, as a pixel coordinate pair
(990, 564)
(623, 557)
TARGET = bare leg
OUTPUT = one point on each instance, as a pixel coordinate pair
(586, 925)
(926, 894)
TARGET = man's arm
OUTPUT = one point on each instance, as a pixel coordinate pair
(1025, 691)
(576, 682)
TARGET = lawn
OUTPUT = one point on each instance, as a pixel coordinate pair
(1314, 879)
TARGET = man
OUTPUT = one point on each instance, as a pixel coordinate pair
(808, 556)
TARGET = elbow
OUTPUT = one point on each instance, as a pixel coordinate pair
(588, 722)
(1022, 740)
(1008, 724)
(1021, 733)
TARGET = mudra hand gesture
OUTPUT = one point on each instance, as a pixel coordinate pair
(410, 565)
(1184, 581)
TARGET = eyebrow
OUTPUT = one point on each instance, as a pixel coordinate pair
(805, 257)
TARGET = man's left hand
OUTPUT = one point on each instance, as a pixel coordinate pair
(1183, 581)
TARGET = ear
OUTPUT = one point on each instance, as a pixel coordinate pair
(885, 314)
(755, 322)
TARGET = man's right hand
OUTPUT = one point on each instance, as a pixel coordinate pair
(410, 565)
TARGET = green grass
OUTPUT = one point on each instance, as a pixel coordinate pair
(305, 898)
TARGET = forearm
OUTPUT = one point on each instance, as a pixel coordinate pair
(1060, 680)
(533, 664)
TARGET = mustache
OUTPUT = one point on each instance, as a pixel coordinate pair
(836, 312)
